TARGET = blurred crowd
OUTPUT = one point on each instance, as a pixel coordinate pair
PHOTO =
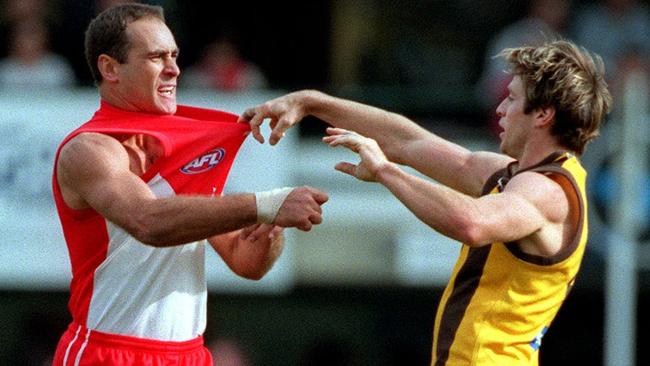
(617, 30)
(43, 47)
(30, 59)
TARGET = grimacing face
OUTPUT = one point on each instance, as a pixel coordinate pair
(148, 78)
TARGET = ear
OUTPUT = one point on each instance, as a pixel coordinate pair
(544, 117)
(108, 67)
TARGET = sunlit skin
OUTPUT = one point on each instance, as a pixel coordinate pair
(147, 81)
(526, 137)
(515, 123)
(536, 218)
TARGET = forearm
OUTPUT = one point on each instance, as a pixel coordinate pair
(182, 219)
(390, 130)
(406, 143)
(449, 212)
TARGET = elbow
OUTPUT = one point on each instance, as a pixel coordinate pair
(255, 276)
(146, 230)
(396, 149)
(150, 237)
(472, 232)
(252, 274)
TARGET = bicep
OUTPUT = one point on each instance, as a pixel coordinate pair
(507, 217)
(529, 203)
(453, 165)
(95, 169)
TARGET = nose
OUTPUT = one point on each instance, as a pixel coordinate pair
(501, 108)
(171, 67)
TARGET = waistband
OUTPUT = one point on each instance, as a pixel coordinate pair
(130, 342)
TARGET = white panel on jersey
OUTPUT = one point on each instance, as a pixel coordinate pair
(150, 292)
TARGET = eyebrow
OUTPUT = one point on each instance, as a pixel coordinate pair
(163, 51)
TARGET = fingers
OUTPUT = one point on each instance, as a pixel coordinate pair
(308, 224)
(302, 208)
(320, 197)
(282, 118)
(254, 232)
(345, 138)
(316, 218)
(337, 131)
(346, 168)
(247, 231)
(276, 135)
(254, 117)
(246, 116)
(276, 232)
(255, 123)
(283, 123)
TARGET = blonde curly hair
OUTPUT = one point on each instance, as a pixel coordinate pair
(562, 75)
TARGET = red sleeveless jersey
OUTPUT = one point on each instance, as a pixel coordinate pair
(121, 286)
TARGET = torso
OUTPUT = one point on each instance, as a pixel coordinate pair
(502, 297)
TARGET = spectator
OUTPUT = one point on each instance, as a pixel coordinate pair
(19, 10)
(222, 67)
(618, 30)
(30, 62)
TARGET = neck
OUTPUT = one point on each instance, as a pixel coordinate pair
(143, 151)
(114, 99)
(536, 151)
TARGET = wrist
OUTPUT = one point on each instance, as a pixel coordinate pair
(268, 204)
(386, 172)
(311, 100)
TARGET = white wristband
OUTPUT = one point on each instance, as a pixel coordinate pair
(269, 202)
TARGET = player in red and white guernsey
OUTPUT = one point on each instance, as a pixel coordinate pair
(138, 191)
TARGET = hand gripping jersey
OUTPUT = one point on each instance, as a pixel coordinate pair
(121, 286)
(500, 301)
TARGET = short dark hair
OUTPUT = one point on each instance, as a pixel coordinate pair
(106, 34)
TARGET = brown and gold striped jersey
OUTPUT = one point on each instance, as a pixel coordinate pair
(500, 301)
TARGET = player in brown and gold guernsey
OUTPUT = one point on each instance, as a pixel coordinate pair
(519, 214)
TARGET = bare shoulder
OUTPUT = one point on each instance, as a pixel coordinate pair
(88, 149)
(86, 159)
(89, 142)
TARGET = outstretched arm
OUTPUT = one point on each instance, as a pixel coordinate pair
(402, 140)
(533, 207)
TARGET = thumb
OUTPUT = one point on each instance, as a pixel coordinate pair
(346, 168)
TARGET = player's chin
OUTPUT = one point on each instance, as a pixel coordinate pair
(167, 106)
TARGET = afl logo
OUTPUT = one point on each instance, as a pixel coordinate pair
(204, 162)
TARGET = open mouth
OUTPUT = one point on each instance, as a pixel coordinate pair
(167, 90)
